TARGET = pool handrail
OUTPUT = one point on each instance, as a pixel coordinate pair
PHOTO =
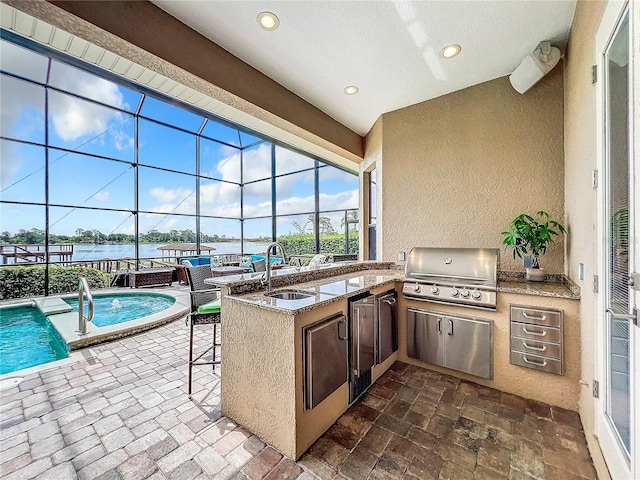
(83, 289)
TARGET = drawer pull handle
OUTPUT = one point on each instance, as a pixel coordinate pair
(543, 348)
(537, 364)
(537, 334)
(541, 318)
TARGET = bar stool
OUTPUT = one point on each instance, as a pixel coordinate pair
(205, 310)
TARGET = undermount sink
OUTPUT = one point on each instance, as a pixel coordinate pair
(288, 295)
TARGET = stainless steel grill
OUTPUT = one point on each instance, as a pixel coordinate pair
(460, 276)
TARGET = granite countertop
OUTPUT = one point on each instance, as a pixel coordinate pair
(248, 282)
(322, 291)
(332, 282)
(558, 286)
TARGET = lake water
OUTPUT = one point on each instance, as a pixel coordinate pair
(98, 252)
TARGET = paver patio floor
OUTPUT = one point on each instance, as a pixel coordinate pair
(123, 413)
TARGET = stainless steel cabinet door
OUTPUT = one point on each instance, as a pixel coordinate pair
(325, 359)
(424, 336)
(387, 326)
(468, 346)
(363, 335)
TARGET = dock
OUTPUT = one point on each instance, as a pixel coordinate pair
(33, 254)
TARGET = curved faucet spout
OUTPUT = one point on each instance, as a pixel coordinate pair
(285, 257)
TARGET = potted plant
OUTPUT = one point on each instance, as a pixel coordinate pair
(531, 236)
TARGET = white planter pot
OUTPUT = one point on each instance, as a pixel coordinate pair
(535, 274)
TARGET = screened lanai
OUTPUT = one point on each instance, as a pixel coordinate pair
(96, 168)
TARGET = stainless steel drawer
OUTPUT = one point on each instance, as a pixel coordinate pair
(549, 365)
(535, 347)
(536, 332)
(551, 318)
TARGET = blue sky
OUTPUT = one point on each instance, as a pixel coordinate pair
(80, 180)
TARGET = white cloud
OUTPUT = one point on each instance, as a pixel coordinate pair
(290, 161)
(258, 210)
(121, 140)
(179, 200)
(337, 174)
(102, 196)
(22, 112)
(21, 116)
(9, 163)
(343, 200)
(74, 119)
(258, 191)
(219, 192)
(257, 163)
(295, 205)
(164, 195)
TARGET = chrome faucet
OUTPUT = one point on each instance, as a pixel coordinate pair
(285, 258)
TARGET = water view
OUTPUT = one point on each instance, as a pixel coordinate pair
(84, 252)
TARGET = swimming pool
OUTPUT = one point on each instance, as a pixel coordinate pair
(114, 309)
(27, 339)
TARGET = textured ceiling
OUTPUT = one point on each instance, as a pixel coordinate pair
(389, 49)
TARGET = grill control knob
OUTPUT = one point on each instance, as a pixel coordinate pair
(476, 295)
(416, 287)
(435, 290)
(465, 293)
(455, 292)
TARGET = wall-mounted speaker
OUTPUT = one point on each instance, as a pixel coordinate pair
(535, 66)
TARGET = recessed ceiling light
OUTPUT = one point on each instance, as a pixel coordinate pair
(351, 90)
(450, 51)
(268, 21)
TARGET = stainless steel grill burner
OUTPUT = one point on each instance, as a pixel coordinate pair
(460, 276)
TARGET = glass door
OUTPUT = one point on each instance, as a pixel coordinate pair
(373, 195)
(619, 335)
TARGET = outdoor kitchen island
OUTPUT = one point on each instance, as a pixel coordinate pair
(262, 347)
(262, 381)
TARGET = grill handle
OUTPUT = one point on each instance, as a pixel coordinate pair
(437, 275)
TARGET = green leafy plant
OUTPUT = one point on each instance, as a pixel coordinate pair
(306, 244)
(28, 281)
(531, 236)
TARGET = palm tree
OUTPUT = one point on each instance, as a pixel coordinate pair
(352, 216)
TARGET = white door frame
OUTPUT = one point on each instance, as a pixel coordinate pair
(635, 152)
(617, 463)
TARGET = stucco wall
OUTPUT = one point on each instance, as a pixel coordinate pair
(457, 169)
(580, 197)
(258, 383)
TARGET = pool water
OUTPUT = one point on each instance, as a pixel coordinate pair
(113, 309)
(27, 339)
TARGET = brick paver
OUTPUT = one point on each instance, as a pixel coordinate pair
(123, 413)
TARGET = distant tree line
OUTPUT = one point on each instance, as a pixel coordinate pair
(95, 237)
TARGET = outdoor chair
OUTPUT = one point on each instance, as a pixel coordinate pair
(205, 310)
(259, 266)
